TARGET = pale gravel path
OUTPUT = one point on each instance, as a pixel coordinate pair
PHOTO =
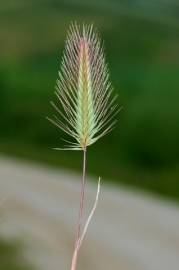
(130, 231)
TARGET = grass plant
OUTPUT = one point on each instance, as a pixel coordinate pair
(85, 107)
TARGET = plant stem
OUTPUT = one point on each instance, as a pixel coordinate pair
(80, 215)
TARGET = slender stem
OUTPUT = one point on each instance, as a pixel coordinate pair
(81, 197)
(80, 215)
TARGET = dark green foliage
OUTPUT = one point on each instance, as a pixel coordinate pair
(11, 257)
(141, 43)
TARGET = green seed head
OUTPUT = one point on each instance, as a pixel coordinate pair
(83, 89)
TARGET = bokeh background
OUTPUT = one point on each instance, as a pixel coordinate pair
(142, 49)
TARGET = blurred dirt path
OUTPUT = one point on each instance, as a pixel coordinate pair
(130, 231)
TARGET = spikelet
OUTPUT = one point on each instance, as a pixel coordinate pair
(83, 89)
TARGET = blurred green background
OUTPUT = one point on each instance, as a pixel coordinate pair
(142, 48)
(11, 256)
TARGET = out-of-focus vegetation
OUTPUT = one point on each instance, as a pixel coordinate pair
(141, 40)
(11, 256)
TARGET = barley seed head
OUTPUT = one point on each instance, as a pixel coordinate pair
(87, 104)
